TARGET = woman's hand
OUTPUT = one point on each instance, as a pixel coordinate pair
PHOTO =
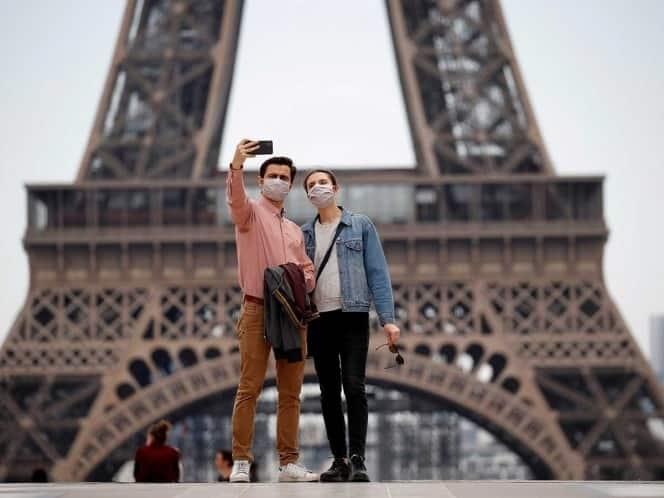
(392, 333)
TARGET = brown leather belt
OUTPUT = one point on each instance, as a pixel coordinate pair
(255, 300)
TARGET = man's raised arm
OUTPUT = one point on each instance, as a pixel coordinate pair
(236, 195)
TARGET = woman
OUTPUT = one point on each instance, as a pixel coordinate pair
(351, 266)
(157, 461)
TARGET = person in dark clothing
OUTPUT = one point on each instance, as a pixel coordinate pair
(223, 461)
(254, 475)
(157, 461)
(39, 475)
(351, 271)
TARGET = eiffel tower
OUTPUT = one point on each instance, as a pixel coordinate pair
(496, 260)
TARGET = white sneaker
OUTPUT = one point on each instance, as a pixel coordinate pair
(240, 472)
(294, 472)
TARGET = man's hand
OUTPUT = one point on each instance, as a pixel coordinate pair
(392, 333)
(243, 150)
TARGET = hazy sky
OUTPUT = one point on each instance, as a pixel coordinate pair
(319, 78)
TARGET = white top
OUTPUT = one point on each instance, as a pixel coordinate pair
(327, 295)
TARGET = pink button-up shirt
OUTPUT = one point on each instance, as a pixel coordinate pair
(264, 237)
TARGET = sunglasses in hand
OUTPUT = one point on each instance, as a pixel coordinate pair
(394, 350)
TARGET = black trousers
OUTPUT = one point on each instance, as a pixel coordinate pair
(339, 344)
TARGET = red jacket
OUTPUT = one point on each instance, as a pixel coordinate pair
(157, 463)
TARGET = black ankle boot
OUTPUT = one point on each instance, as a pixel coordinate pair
(358, 470)
(338, 471)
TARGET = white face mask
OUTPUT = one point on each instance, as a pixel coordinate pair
(321, 196)
(275, 189)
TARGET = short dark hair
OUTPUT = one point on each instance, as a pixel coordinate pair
(281, 161)
(39, 475)
(226, 455)
(320, 170)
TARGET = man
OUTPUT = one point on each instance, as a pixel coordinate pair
(223, 462)
(351, 267)
(265, 238)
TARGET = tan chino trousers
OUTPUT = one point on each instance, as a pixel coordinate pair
(254, 355)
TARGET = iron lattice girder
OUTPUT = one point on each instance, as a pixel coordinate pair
(40, 416)
(474, 327)
(216, 374)
(467, 104)
(606, 414)
(470, 114)
(164, 101)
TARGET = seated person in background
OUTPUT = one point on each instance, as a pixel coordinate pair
(157, 461)
(39, 475)
(223, 461)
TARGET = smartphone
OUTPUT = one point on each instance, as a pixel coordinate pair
(264, 147)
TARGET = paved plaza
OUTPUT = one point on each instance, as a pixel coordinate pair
(418, 489)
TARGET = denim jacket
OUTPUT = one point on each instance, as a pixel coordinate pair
(362, 266)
